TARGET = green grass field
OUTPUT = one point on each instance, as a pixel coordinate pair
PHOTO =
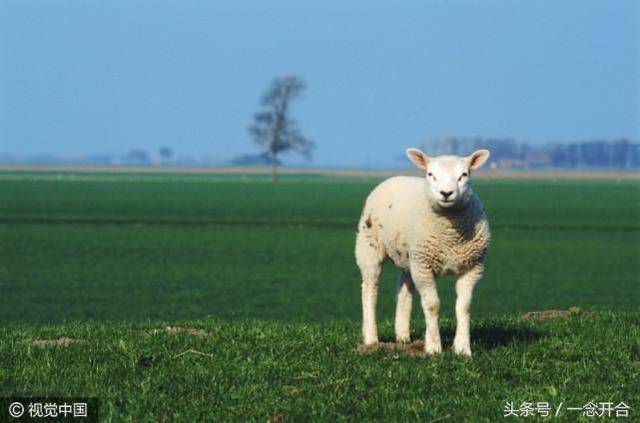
(268, 272)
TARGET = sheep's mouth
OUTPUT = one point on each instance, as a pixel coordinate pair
(446, 203)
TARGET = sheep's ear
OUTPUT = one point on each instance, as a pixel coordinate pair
(477, 159)
(418, 158)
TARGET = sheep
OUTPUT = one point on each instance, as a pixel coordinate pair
(429, 227)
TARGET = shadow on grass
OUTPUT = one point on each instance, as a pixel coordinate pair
(497, 336)
(486, 338)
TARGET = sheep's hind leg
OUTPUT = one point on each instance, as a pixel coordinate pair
(369, 258)
(403, 307)
(370, 282)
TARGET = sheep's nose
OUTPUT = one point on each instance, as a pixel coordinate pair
(446, 194)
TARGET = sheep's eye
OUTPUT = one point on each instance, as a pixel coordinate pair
(431, 176)
(464, 175)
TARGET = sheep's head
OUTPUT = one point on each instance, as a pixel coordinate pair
(448, 177)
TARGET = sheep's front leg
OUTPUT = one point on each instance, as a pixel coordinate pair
(464, 291)
(425, 283)
(403, 307)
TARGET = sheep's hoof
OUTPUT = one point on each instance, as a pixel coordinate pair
(464, 350)
(403, 339)
(370, 342)
(433, 349)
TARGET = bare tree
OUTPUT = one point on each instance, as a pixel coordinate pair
(273, 128)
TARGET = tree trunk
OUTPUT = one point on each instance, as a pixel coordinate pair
(274, 174)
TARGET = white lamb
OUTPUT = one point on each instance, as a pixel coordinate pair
(429, 228)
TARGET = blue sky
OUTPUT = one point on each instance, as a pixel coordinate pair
(83, 76)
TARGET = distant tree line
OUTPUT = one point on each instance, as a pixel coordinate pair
(141, 157)
(510, 153)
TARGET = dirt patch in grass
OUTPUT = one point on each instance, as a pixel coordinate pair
(414, 349)
(62, 342)
(279, 418)
(554, 314)
(177, 329)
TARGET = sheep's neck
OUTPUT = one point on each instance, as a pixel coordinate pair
(463, 220)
